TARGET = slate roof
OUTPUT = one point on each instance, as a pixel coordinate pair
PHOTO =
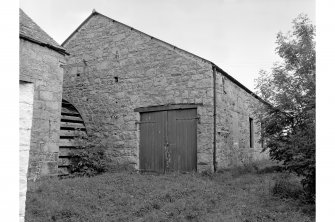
(30, 31)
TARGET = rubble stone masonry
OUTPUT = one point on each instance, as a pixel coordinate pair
(41, 66)
(234, 108)
(113, 69)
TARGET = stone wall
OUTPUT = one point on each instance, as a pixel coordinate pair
(41, 66)
(26, 118)
(234, 108)
(113, 69)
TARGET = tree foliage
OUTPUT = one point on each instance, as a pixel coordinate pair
(288, 125)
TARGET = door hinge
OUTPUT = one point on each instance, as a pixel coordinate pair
(142, 122)
(197, 118)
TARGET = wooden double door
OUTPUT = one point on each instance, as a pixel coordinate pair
(168, 141)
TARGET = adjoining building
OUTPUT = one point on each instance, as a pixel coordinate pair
(41, 79)
(154, 105)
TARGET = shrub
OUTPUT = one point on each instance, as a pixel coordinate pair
(287, 187)
(249, 168)
(270, 169)
(90, 158)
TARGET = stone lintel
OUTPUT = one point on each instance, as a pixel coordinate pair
(167, 107)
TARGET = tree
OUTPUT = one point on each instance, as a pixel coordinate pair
(288, 125)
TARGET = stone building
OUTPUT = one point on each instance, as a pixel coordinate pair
(41, 78)
(154, 105)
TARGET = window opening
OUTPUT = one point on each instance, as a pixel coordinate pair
(262, 134)
(223, 85)
(251, 130)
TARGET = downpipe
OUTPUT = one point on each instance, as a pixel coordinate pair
(214, 118)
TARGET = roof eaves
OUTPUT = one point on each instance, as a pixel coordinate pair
(239, 84)
(31, 31)
(57, 49)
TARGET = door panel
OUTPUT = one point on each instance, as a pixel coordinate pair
(152, 140)
(168, 140)
(182, 140)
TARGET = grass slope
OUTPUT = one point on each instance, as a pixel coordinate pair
(127, 196)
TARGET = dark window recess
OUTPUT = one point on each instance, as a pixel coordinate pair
(251, 130)
(116, 79)
(223, 85)
(78, 74)
(262, 135)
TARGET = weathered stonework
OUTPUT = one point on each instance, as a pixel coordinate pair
(234, 108)
(124, 70)
(40, 102)
(41, 66)
(114, 69)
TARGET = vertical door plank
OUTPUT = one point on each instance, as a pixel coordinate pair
(168, 141)
(152, 138)
(182, 139)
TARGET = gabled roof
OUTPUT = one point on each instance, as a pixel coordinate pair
(175, 47)
(30, 31)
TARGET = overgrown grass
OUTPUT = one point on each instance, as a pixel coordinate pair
(129, 196)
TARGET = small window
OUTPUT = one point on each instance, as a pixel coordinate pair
(116, 79)
(251, 129)
(223, 85)
(262, 135)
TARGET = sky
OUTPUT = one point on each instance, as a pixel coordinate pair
(237, 35)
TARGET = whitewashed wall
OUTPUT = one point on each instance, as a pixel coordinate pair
(26, 116)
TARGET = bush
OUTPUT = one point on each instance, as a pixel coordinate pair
(90, 158)
(270, 169)
(287, 187)
(249, 168)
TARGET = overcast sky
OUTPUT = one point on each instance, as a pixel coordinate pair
(237, 35)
